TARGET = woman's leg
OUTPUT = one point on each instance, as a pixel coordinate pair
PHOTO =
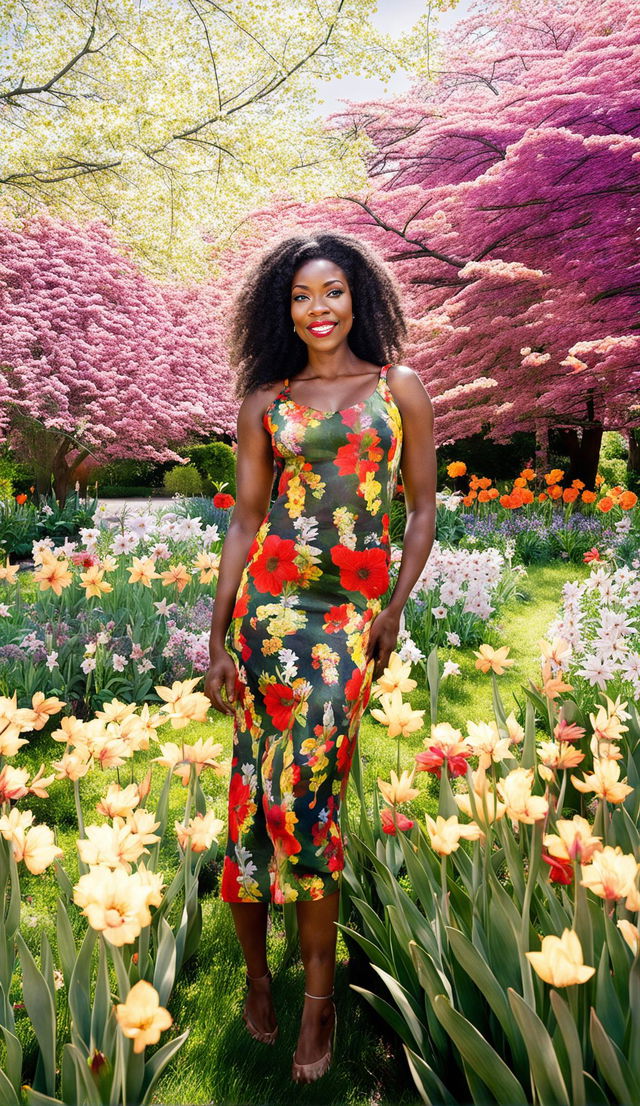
(318, 934)
(250, 919)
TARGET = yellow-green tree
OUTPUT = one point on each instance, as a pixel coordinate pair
(173, 119)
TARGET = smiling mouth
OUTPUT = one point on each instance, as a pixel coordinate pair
(321, 329)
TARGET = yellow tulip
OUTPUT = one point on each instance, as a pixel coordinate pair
(611, 873)
(119, 801)
(631, 935)
(44, 708)
(202, 831)
(112, 846)
(395, 675)
(573, 840)
(445, 834)
(399, 790)
(560, 961)
(115, 904)
(605, 781)
(488, 807)
(484, 738)
(184, 705)
(72, 766)
(514, 730)
(142, 823)
(141, 1018)
(399, 717)
(490, 659)
(521, 805)
(607, 726)
(559, 755)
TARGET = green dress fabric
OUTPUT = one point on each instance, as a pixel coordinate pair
(311, 586)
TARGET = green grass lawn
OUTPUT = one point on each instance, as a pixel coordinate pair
(220, 1063)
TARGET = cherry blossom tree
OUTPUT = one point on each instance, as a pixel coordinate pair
(503, 190)
(98, 360)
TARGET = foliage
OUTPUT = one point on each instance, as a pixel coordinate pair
(183, 480)
(454, 937)
(216, 462)
(102, 1060)
(22, 523)
(175, 158)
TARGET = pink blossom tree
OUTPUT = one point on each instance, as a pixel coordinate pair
(98, 360)
(504, 192)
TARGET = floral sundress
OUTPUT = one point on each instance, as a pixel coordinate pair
(311, 586)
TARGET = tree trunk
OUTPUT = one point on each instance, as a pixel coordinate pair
(542, 446)
(583, 453)
(633, 463)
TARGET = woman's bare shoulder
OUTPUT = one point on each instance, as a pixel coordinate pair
(256, 403)
(407, 388)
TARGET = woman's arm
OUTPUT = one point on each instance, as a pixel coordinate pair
(254, 480)
(418, 467)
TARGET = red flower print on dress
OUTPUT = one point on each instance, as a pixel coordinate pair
(275, 564)
(365, 571)
(279, 701)
(336, 618)
(242, 605)
(240, 805)
(280, 823)
(360, 456)
(229, 886)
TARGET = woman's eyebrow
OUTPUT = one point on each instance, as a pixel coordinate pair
(333, 280)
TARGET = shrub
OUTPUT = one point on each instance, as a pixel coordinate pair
(183, 480)
(128, 472)
(614, 470)
(216, 463)
(613, 446)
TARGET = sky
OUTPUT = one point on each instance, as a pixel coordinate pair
(393, 16)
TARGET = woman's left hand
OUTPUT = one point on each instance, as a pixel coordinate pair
(383, 638)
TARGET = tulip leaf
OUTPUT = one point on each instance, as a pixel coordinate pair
(433, 680)
(612, 1065)
(473, 963)
(595, 1094)
(431, 1089)
(446, 802)
(41, 1010)
(66, 944)
(8, 1096)
(78, 990)
(634, 1012)
(528, 757)
(46, 966)
(102, 1005)
(408, 1005)
(389, 1013)
(85, 1084)
(480, 1057)
(607, 1003)
(375, 924)
(571, 1039)
(545, 1069)
(373, 951)
(155, 1066)
(14, 1058)
(165, 967)
(63, 881)
(35, 1098)
(12, 918)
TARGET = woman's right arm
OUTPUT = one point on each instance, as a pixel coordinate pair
(254, 480)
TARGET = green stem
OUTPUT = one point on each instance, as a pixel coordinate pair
(443, 881)
(534, 864)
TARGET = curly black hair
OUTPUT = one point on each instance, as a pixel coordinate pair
(262, 344)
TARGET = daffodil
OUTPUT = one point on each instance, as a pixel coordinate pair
(399, 717)
(445, 834)
(397, 674)
(494, 660)
(399, 790)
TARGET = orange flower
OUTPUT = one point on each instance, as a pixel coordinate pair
(555, 491)
(599, 479)
(22, 498)
(456, 468)
(605, 504)
(494, 659)
(178, 575)
(44, 708)
(592, 554)
(9, 572)
(627, 500)
(94, 583)
(570, 495)
(588, 497)
(553, 476)
(53, 574)
(143, 571)
(141, 1017)
(528, 474)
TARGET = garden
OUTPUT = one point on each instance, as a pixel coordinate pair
(489, 932)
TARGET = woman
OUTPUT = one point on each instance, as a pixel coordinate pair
(301, 584)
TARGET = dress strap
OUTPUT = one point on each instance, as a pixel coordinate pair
(383, 372)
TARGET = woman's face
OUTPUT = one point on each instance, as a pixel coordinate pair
(321, 305)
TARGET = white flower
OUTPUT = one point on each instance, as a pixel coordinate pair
(5, 611)
(68, 547)
(439, 612)
(103, 637)
(125, 543)
(160, 551)
(46, 510)
(52, 661)
(452, 638)
(210, 535)
(451, 668)
(142, 525)
(89, 535)
(145, 665)
(88, 664)
(162, 606)
(90, 647)
(119, 662)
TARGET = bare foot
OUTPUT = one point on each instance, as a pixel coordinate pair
(259, 1006)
